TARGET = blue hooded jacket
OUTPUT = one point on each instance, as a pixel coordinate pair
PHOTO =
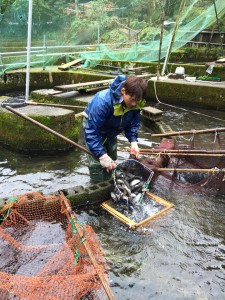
(107, 117)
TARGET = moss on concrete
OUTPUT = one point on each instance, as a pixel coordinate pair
(24, 136)
(191, 94)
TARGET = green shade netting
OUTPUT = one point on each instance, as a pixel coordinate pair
(95, 30)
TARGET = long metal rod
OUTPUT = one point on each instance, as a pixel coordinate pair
(55, 105)
(215, 130)
(161, 38)
(28, 49)
(51, 131)
(89, 252)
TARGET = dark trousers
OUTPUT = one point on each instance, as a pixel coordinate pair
(97, 172)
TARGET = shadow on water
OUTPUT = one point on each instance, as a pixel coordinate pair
(179, 255)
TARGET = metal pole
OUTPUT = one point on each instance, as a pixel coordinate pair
(44, 47)
(161, 37)
(98, 35)
(28, 49)
(76, 8)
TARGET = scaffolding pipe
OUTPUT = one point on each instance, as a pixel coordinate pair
(28, 49)
(161, 37)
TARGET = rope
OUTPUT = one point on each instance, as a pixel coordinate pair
(7, 207)
(184, 109)
(81, 239)
(216, 133)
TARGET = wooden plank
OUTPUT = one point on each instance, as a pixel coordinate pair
(107, 205)
(221, 60)
(71, 63)
(52, 93)
(90, 85)
(82, 86)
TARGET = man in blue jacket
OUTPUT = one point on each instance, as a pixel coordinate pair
(109, 113)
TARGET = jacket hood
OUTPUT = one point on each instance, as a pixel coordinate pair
(116, 86)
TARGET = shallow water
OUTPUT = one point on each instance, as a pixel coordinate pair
(179, 255)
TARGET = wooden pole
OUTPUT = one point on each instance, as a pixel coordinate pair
(184, 154)
(89, 252)
(222, 129)
(173, 35)
(214, 171)
(51, 131)
(176, 151)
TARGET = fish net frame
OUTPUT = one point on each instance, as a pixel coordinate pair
(110, 207)
(136, 168)
(60, 276)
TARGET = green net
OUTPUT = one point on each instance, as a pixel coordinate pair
(127, 30)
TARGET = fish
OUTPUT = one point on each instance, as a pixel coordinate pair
(130, 185)
(114, 196)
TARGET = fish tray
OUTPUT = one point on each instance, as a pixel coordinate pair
(136, 168)
(129, 218)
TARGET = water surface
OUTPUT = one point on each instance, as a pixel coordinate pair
(179, 255)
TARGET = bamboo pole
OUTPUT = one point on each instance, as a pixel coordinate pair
(51, 131)
(89, 252)
(175, 151)
(222, 129)
(213, 171)
(178, 20)
(184, 154)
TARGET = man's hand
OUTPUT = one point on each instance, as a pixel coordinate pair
(107, 162)
(134, 149)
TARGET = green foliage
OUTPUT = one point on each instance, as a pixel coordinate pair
(68, 24)
(149, 34)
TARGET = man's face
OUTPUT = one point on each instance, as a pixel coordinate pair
(130, 101)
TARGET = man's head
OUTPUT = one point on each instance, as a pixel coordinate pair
(133, 90)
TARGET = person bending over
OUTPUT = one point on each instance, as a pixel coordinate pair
(109, 113)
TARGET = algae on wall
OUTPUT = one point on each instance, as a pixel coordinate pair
(25, 136)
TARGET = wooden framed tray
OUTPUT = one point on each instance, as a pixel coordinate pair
(150, 198)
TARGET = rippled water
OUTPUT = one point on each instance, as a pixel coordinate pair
(179, 255)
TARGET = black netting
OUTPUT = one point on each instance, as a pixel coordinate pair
(13, 102)
(124, 174)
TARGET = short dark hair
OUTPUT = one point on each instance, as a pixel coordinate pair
(136, 86)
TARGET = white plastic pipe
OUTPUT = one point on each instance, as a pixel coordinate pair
(29, 29)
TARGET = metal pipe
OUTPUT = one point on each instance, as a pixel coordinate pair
(161, 38)
(55, 105)
(28, 49)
